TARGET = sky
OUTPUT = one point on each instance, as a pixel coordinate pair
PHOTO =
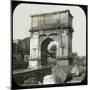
(22, 23)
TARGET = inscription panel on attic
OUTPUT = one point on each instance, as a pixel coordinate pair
(51, 20)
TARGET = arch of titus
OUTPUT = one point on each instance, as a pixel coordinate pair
(47, 28)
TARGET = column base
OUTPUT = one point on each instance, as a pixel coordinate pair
(64, 61)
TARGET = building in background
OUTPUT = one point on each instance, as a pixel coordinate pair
(21, 49)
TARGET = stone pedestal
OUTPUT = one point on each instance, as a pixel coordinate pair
(62, 62)
(34, 64)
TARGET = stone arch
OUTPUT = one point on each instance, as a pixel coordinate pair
(52, 36)
(44, 51)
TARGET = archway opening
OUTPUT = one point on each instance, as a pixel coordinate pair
(48, 52)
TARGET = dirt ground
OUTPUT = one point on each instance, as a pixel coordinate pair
(67, 69)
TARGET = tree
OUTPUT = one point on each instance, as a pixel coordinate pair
(52, 51)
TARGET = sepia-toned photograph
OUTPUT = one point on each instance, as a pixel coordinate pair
(49, 44)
